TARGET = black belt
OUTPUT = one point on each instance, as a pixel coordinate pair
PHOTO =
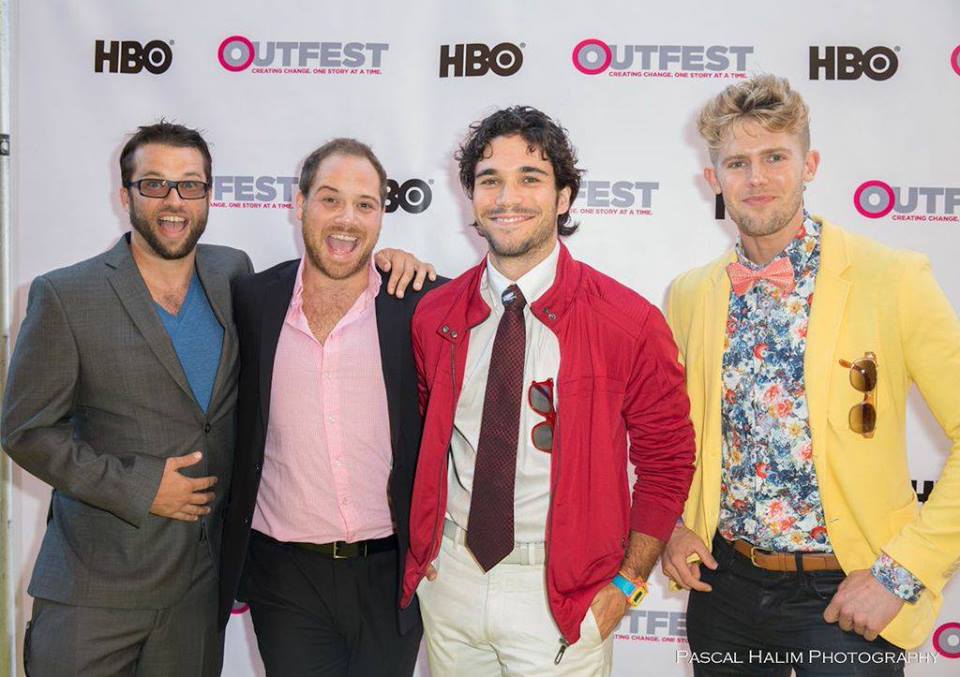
(342, 549)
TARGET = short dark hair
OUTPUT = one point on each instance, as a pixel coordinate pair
(167, 134)
(541, 133)
(341, 146)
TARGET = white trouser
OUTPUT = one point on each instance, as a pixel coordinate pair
(499, 623)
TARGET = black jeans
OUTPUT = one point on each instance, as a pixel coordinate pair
(758, 622)
(314, 615)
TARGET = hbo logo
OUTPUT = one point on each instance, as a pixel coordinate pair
(849, 63)
(475, 59)
(413, 196)
(130, 56)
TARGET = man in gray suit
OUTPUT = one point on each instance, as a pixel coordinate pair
(121, 395)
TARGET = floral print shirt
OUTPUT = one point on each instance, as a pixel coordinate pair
(769, 491)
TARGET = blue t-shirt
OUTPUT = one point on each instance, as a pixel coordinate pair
(197, 338)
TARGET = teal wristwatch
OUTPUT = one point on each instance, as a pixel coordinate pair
(634, 590)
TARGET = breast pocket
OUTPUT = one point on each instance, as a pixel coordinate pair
(592, 389)
(591, 410)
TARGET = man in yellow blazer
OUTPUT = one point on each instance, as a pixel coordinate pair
(802, 538)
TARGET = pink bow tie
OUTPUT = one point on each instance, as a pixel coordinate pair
(779, 273)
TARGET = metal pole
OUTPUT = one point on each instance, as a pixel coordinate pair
(7, 608)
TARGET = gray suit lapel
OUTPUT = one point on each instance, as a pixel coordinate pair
(217, 287)
(133, 294)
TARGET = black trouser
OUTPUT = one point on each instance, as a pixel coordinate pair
(315, 615)
(758, 622)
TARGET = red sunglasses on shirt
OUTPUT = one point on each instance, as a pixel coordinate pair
(540, 396)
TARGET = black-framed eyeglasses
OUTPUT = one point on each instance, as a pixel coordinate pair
(863, 377)
(187, 189)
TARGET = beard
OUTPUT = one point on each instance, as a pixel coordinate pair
(521, 247)
(143, 226)
(755, 226)
(315, 246)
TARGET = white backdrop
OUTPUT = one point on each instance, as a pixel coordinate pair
(372, 70)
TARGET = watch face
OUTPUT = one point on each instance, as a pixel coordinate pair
(634, 593)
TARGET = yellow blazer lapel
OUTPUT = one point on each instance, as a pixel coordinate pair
(716, 307)
(823, 331)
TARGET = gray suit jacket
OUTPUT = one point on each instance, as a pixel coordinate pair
(96, 400)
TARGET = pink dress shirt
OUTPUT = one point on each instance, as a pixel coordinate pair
(327, 457)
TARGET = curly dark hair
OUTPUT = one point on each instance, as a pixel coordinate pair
(538, 130)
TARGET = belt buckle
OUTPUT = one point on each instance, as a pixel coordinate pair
(336, 555)
(753, 556)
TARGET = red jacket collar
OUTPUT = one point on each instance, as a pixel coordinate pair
(469, 308)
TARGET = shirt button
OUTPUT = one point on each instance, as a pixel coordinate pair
(206, 428)
(445, 329)
(331, 419)
(345, 500)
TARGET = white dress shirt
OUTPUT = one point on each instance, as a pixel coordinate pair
(541, 362)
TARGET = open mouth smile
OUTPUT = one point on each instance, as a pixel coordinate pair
(341, 244)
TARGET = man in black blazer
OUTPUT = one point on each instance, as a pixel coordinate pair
(328, 432)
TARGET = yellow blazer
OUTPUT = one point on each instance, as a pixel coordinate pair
(867, 298)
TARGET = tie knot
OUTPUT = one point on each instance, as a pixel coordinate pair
(513, 299)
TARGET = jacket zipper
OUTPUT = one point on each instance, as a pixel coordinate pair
(547, 554)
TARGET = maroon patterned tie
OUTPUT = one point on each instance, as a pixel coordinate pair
(490, 529)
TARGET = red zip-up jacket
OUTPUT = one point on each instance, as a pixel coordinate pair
(619, 380)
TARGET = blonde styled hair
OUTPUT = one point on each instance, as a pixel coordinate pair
(765, 99)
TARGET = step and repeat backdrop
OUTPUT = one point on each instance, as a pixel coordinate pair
(268, 82)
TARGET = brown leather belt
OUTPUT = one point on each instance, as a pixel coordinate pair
(787, 561)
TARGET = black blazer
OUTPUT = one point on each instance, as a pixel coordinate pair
(260, 303)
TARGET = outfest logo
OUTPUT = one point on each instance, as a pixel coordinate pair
(615, 198)
(653, 625)
(253, 192)
(877, 199)
(946, 640)
(955, 60)
(238, 53)
(595, 57)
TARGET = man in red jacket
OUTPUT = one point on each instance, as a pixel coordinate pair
(537, 375)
